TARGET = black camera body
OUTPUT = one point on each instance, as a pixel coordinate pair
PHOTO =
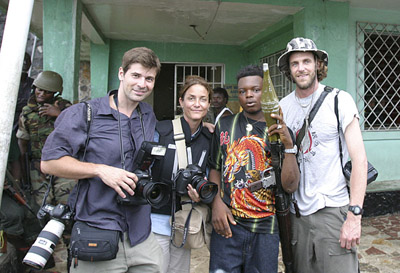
(59, 212)
(194, 176)
(147, 191)
(54, 218)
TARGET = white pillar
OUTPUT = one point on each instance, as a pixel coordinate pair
(11, 59)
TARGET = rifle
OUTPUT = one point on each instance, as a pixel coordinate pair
(13, 193)
(270, 105)
(27, 171)
(282, 201)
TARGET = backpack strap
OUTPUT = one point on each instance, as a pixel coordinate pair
(313, 112)
(336, 108)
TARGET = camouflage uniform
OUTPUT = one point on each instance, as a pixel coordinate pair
(36, 129)
(21, 226)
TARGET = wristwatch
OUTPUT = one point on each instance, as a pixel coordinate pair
(292, 150)
(356, 210)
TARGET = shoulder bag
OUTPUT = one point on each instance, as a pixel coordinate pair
(372, 173)
(191, 226)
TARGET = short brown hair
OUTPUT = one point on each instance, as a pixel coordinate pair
(142, 55)
(193, 80)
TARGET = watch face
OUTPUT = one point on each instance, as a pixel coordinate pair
(355, 209)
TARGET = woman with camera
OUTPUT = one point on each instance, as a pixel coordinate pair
(194, 98)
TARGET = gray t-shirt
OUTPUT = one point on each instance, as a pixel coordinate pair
(322, 183)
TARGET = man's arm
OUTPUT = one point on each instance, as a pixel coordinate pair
(351, 229)
(70, 167)
(221, 214)
(290, 174)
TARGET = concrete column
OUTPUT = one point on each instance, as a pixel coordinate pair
(11, 59)
(327, 24)
(99, 64)
(61, 42)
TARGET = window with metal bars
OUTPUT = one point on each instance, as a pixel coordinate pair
(282, 85)
(213, 73)
(378, 75)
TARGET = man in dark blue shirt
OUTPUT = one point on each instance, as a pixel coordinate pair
(121, 122)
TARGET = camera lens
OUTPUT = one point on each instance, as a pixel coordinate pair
(156, 193)
(44, 245)
(206, 190)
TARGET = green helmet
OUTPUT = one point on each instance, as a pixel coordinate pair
(49, 81)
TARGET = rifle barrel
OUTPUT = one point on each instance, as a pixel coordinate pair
(282, 209)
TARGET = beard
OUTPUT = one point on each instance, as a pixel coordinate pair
(306, 85)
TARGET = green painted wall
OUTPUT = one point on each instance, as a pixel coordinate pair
(231, 56)
(99, 69)
(274, 41)
(383, 146)
(332, 25)
(326, 23)
(61, 42)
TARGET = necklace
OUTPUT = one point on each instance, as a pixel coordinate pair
(249, 126)
(305, 143)
(310, 100)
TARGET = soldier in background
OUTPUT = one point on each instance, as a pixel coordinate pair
(25, 88)
(36, 122)
(17, 218)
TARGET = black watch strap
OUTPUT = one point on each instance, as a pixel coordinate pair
(356, 210)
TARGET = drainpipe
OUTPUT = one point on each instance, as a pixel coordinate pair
(11, 59)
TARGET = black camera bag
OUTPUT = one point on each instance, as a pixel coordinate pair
(372, 173)
(93, 244)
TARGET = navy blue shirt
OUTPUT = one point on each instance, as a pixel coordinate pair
(96, 203)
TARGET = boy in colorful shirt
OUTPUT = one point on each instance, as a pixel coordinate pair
(245, 236)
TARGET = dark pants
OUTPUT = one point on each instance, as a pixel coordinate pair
(245, 251)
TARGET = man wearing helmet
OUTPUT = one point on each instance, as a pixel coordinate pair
(36, 122)
(325, 236)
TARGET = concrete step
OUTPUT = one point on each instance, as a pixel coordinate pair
(381, 186)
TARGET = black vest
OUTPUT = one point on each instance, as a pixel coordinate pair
(165, 169)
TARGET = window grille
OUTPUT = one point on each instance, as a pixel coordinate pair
(378, 75)
(213, 73)
(282, 85)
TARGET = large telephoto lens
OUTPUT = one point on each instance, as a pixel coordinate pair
(44, 245)
(206, 190)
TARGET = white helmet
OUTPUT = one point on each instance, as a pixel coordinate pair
(299, 45)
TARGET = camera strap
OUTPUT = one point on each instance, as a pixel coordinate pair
(52, 177)
(89, 118)
(179, 138)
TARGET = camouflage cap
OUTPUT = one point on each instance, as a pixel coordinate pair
(299, 45)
